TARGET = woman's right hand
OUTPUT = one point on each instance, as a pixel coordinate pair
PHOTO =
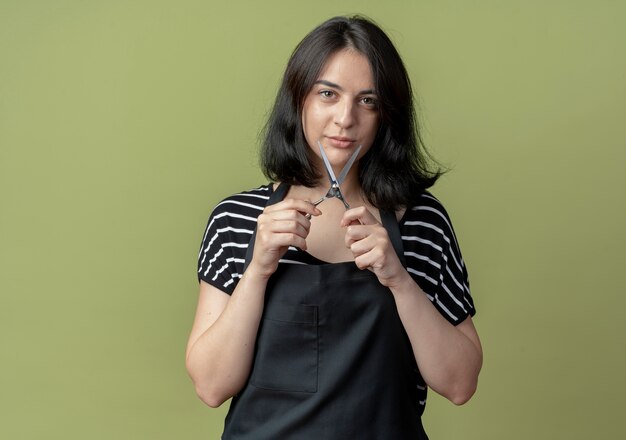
(279, 226)
(220, 350)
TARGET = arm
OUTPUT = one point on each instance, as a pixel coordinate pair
(221, 344)
(449, 357)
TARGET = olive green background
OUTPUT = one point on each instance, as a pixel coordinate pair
(122, 123)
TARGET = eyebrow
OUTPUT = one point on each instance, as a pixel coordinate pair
(338, 87)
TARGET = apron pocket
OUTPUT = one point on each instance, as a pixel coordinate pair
(287, 349)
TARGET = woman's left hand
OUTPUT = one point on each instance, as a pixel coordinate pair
(449, 357)
(371, 247)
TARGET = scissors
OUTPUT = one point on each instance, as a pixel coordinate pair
(334, 190)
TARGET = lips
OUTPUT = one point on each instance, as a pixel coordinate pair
(340, 141)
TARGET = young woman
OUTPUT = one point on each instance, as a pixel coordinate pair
(322, 322)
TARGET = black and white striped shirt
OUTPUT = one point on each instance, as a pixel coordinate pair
(431, 250)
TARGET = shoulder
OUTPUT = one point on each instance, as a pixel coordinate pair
(434, 257)
(426, 227)
(428, 212)
(246, 203)
(235, 215)
(226, 237)
(242, 208)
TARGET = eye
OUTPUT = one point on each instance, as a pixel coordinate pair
(326, 93)
(369, 101)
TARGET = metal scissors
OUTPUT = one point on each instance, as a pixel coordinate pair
(334, 190)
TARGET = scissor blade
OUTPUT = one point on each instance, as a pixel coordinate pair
(329, 169)
(348, 165)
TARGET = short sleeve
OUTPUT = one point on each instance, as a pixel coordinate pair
(434, 258)
(226, 237)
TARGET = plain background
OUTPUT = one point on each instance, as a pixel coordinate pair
(122, 123)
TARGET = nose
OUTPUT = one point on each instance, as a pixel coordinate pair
(344, 114)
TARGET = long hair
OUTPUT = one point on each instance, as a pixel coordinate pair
(397, 168)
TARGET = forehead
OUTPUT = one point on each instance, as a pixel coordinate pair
(348, 67)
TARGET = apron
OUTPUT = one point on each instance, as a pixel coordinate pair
(332, 359)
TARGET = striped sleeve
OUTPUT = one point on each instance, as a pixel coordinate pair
(226, 237)
(434, 259)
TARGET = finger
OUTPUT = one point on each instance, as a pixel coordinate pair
(289, 226)
(358, 215)
(289, 239)
(280, 240)
(288, 214)
(365, 261)
(266, 221)
(301, 206)
(356, 233)
(374, 260)
(268, 230)
(386, 266)
(362, 246)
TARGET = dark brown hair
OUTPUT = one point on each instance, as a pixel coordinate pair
(397, 167)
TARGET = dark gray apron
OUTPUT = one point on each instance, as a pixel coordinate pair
(332, 359)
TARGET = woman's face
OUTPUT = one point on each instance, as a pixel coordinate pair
(341, 110)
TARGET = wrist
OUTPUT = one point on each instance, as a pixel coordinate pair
(253, 271)
(404, 283)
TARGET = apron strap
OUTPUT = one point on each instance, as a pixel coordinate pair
(393, 230)
(389, 221)
(278, 194)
